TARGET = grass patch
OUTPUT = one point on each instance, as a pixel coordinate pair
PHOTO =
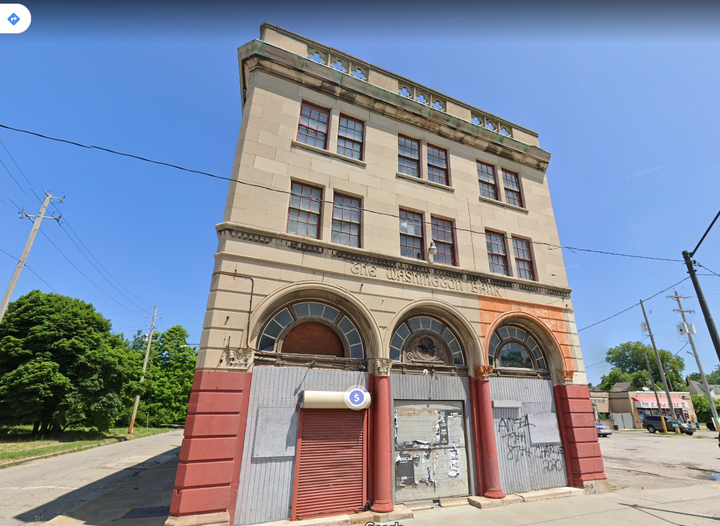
(16, 442)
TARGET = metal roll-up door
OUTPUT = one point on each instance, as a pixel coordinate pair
(330, 463)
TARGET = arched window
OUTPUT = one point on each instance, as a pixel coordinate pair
(423, 339)
(312, 328)
(514, 348)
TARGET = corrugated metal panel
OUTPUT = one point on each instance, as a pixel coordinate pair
(330, 467)
(265, 489)
(525, 466)
(439, 388)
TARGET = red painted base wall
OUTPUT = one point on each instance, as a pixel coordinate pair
(211, 452)
(577, 428)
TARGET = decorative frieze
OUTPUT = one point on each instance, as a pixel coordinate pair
(482, 372)
(380, 366)
(240, 358)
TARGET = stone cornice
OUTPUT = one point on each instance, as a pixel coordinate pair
(362, 256)
(262, 56)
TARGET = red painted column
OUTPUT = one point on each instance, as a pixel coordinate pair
(477, 455)
(488, 446)
(382, 440)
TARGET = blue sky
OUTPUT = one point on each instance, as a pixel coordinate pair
(624, 98)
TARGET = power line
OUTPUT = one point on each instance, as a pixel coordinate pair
(634, 305)
(20, 170)
(12, 177)
(703, 266)
(287, 192)
(31, 270)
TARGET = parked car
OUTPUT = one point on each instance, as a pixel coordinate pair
(687, 428)
(652, 423)
(602, 430)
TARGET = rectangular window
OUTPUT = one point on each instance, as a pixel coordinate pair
(408, 156)
(486, 178)
(437, 165)
(346, 221)
(350, 137)
(313, 126)
(523, 258)
(304, 212)
(497, 255)
(442, 235)
(411, 235)
(511, 182)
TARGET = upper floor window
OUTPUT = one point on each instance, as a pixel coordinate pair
(515, 348)
(411, 235)
(497, 255)
(346, 220)
(408, 156)
(304, 212)
(486, 178)
(523, 258)
(350, 137)
(511, 182)
(442, 235)
(313, 128)
(437, 165)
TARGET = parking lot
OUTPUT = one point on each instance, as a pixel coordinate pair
(636, 459)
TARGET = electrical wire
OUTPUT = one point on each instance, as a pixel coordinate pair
(31, 270)
(287, 192)
(634, 305)
(20, 170)
(711, 271)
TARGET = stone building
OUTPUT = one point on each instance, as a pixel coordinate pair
(389, 317)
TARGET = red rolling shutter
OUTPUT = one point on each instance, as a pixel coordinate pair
(330, 464)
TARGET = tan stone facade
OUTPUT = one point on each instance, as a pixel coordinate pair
(265, 270)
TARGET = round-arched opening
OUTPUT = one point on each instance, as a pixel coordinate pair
(426, 340)
(314, 328)
(515, 348)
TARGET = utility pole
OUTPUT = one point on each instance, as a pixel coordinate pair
(142, 378)
(26, 251)
(660, 368)
(687, 256)
(697, 358)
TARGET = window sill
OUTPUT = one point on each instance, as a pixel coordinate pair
(424, 181)
(315, 149)
(500, 203)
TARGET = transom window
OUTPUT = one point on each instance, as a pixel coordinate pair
(523, 258)
(486, 178)
(426, 340)
(411, 235)
(515, 348)
(313, 126)
(497, 255)
(437, 165)
(346, 220)
(408, 156)
(442, 235)
(310, 311)
(511, 182)
(350, 137)
(304, 211)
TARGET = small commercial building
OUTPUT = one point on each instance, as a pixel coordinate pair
(628, 408)
(389, 318)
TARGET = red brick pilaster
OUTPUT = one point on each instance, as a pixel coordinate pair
(579, 436)
(211, 453)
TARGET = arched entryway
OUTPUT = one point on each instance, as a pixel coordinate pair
(529, 445)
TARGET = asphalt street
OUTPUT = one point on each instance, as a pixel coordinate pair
(37, 491)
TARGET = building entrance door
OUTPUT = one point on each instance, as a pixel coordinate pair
(530, 451)
(331, 463)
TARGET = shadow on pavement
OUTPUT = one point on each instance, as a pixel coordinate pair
(649, 510)
(148, 484)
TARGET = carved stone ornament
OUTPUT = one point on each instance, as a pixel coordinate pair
(426, 348)
(380, 366)
(563, 377)
(482, 372)
(240, 358)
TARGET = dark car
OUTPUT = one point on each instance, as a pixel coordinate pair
(652, 423)
(687, 428)
(602, 430)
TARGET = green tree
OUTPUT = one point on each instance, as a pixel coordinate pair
(60, 365)
(702, 408)
(169, 376)
(713, 378)
(629, 365)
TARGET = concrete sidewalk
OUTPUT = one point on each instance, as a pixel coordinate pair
(145, 501)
